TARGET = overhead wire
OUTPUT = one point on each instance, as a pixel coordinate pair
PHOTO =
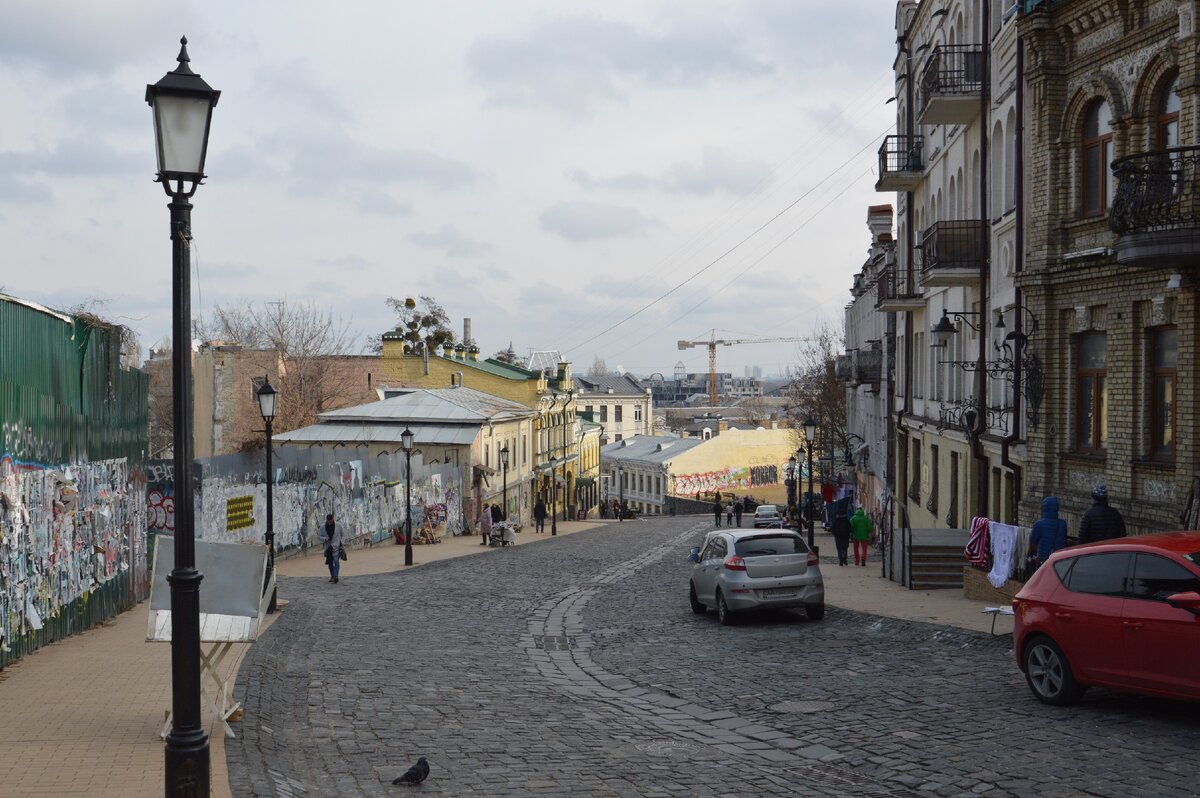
(732, 249)
(812, 146)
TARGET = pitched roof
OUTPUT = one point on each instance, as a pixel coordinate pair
(648, 448)
(622, 384)
(455, 405)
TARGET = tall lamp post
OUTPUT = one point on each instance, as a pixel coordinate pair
(267, 397)
(504, 465)
(810, 434)
(406, 443)
(620, 496)
(182, 105)
(553, 500)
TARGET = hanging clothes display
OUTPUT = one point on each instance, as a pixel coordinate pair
(978, 544)
(1004, 544)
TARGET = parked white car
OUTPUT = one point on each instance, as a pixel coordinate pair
(738, 571)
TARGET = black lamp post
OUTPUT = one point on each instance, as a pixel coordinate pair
(810, 434)
(793, 473)
(406, 443)
(182, 106)
(267, 397)
(553, 500)
(620, 496)
(504, 465)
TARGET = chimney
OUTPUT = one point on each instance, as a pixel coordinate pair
(467, 332)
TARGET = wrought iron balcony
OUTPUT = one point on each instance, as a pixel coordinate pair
(951, 84)
(868, 366)
(1156, 208)
(843, 367)
(952, 253)
(897, 290)
(900, 164)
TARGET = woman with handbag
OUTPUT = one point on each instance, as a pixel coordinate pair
(331, 537)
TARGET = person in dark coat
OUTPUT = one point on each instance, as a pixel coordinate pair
(1101, 522)
(841, 536)
(497, 514)
(1049, 534)
(738, 509)
(717, 511)
(539, 515)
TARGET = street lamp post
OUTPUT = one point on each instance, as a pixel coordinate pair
(406, 443)
(267, 397)
(504, 465)
(182, 105)
(620, 496)
(553, 500)
(810, 433)
(793, 473)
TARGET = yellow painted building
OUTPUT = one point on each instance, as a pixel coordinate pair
(556, 429)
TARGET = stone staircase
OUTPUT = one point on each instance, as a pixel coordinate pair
(937, 566)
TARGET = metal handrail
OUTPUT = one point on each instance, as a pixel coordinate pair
(953, 69)
(901, 154)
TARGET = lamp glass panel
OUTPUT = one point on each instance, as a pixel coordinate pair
(266, 403)
(182, 123)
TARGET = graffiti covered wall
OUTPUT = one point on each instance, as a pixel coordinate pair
(366, 495)
(73, 511)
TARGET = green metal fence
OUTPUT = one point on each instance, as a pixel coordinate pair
(73, 437)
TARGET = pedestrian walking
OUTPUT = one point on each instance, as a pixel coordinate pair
(729, 513)
(717, 511)
(841, 538)
(738, 509)
(1101, 522)
(485, 524)
(497, 514)
(1049, 533)
(539, 515)
(331, 537)
(860, 529)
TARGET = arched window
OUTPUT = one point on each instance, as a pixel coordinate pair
(1097, 154)
(952, 211)
(1010, 161)
(996, 175)
(962, 195)
(1167, 128)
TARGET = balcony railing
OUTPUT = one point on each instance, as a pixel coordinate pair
(951, 84)
(1156, 207)
(900, 163)
(952, 252)
(843, 367)
(868, 366)
(897, 290)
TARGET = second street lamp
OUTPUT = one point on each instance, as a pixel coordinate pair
(267, 397)
(810, 433)
(182, 105)
(504, 465)
(406, 443)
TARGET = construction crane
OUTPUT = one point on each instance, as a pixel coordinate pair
(713, 342)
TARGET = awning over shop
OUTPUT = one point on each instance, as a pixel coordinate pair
(584, 481)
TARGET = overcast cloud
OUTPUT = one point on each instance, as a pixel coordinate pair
(544, 168)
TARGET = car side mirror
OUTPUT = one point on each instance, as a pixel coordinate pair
(1189, 601)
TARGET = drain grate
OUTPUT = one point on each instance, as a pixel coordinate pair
(675, 749)
(554, 642)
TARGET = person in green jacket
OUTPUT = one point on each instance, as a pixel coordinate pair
(860, 530)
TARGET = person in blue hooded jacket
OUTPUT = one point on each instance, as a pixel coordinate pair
(1049, 534)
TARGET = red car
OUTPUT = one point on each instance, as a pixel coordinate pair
(1122, 614)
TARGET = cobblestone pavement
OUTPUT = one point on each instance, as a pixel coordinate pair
(575, 667)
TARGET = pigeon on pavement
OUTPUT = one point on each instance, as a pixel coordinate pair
(415, 774)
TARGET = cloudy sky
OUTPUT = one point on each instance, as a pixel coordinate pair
(546, 168)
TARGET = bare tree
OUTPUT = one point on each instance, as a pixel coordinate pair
(161, 400)
(598, 368)
(423, 323)
(816, 391)
(307, 340)
(508, 356)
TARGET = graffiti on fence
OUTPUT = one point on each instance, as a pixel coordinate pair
(64, 532)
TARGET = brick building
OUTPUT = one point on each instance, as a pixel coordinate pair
(1113, 240)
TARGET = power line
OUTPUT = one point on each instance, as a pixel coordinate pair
(735, 247)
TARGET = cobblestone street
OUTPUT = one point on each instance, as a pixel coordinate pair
(575, 667)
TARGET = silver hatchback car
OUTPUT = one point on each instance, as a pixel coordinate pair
(738, 570)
